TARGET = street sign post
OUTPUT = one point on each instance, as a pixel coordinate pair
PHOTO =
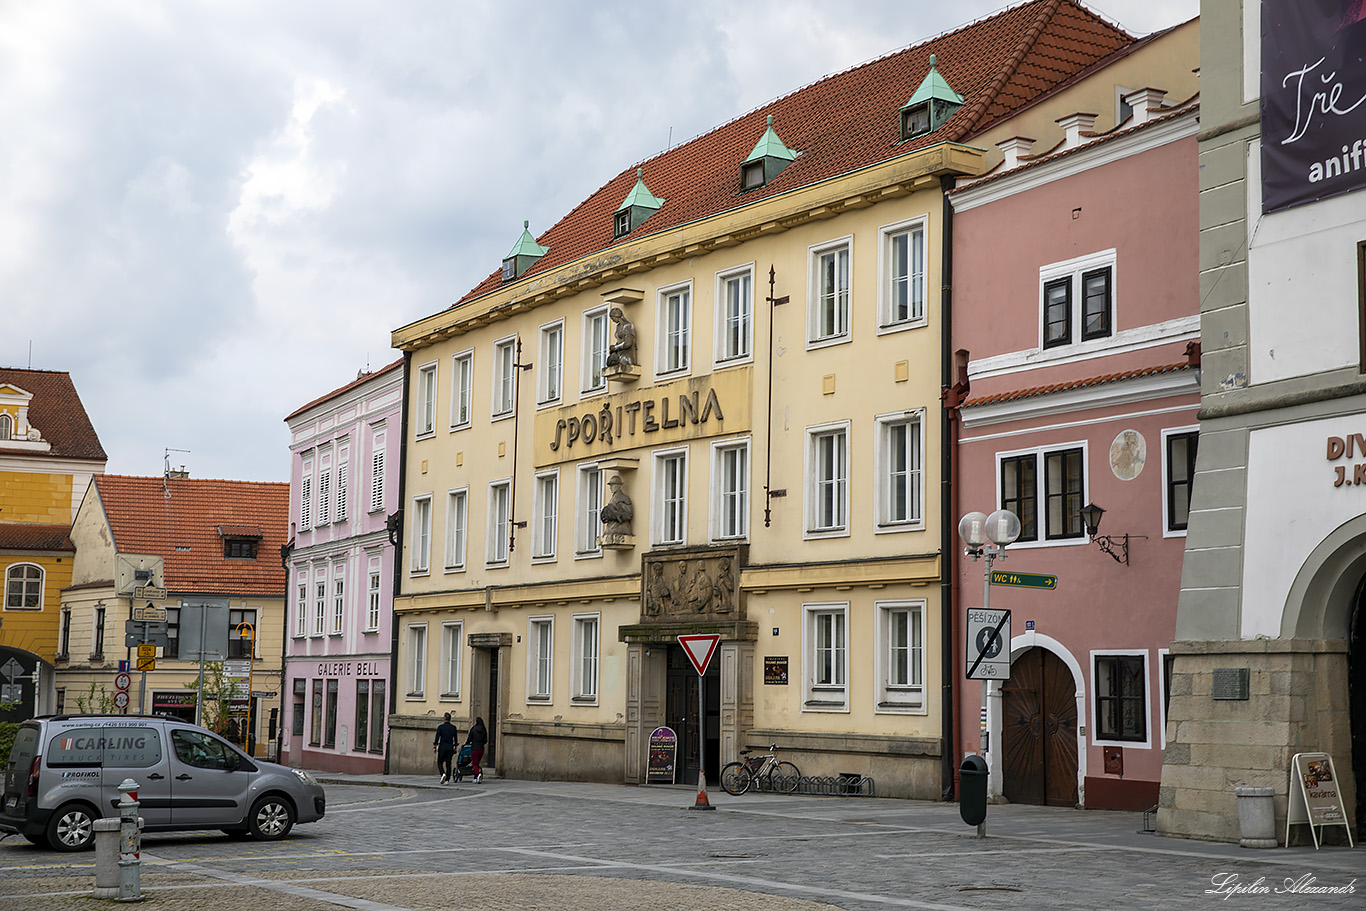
(988, 642)
(1024, 580)
(149, 612)
(699, 648)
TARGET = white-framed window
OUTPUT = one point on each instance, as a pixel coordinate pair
(545, 509)
(301, 607)
(457, 524)
(1179, 445)
(585, 658)
(827, 472)
(1119, 701)
(24, 587)
(825, 657)
(671, 496)
(319, 603)
(900, 472)
(377, 470)
(343, 479)
(735, 314)
(417, 660)
(1046, 489)
(462, 389)
(500, 504)
(504, 376)
(1077, 300)
(324, 503)
(595, 343)
(730, 489)
(901, 288)
(900, 656)
(452, 637)
(588, 514)
(424, 414)
(550, 371)
(540, 656)
(306, 495)
(675, 329)
(372, 602)
(338, 600)
(421, 546)
(1166, 664)
(829, 292)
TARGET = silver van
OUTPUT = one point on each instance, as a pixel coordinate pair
(64, 773)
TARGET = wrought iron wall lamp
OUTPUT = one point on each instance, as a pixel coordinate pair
(1114, 545)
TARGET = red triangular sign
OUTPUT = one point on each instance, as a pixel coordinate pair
(699, 649)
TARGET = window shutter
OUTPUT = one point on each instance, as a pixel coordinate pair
(341, 491)
(377, 481)
(305, 503)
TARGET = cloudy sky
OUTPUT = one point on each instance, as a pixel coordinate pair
(213, 212)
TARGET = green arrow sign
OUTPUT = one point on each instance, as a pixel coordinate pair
(1024, 580)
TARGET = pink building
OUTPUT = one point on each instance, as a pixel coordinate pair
(344, 453)
(1076, 302)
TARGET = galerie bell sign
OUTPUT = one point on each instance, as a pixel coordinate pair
(687, 409)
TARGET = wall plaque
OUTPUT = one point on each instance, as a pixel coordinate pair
(775, 671)
(1230, 683)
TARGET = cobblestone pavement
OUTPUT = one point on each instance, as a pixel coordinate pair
(414, 845)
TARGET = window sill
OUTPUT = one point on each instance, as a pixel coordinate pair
(814, 343)
(892, 528)
(497, 564)
(588, 555)
(815, 533)
(449, 697)
(1054, 542)
(414, 697)
(739, 360)
(893, 328)
(464, 425)
(584, 700)
(543, 559)
(424, 434)
(544, 700)
(502, 416)
(335, 634)
(419, 572)
(455, 569)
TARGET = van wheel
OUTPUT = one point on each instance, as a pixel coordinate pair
(72, 828)
(271, 817)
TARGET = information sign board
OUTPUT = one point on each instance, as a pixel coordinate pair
(988, 641)
(1315, 798)
(1024, 580)
(663, 757)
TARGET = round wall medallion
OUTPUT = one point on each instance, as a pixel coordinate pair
(1128, 453)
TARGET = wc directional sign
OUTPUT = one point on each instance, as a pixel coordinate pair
(988, 644)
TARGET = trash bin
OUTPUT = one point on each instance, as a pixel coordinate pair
(1256, 817)
(972, 790)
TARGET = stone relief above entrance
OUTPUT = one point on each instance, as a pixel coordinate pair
(691, 585)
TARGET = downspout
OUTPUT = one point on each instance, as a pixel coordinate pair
(395, 529)
(948, 547)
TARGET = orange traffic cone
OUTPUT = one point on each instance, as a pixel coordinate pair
(702, 803)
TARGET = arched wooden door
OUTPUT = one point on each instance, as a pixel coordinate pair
(1039, 731)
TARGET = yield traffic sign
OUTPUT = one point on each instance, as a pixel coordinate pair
(699, 648)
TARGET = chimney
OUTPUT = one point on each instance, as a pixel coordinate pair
(1015, 148)
(1074, 125)
(1145, 102)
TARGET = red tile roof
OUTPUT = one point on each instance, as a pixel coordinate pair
(18, 536)
(1067, 385)
(845, 122)
(56, 411)
(182, 528)
(363, 378)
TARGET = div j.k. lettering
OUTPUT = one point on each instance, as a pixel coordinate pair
(1350, 446)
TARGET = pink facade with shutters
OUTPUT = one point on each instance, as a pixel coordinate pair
(344, 472)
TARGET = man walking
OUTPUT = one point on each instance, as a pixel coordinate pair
(443, 744)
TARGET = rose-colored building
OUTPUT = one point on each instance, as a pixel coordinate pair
(344, 454)
(1076, 318)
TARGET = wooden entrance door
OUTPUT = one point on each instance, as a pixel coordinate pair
(1039, 731)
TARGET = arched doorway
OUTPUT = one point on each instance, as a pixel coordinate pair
(1039, 731)
(1356, 696)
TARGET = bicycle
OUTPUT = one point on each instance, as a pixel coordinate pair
(739, 777)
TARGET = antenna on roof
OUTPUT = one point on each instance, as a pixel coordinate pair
(169, 472)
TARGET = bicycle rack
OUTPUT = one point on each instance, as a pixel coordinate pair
(824, 786)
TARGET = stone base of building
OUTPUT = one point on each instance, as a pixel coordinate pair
(1106, 793)
(907, 767)
(323, 761)
(1297, 702)
(559, 751)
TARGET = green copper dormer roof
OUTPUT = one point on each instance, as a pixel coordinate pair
(934, 88)
(526, 244)
(770, 146)
(640, 195)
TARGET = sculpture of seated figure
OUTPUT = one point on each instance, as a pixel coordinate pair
(622, 351)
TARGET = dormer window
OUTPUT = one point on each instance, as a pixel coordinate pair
(932, 104)
(638, 205)
(522, 255)
(767, 161)
(509, 269)
(239, 541)
(6, 426)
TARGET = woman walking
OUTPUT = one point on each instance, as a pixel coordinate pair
(478, 739)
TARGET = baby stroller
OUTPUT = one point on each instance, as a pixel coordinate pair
(463, 765)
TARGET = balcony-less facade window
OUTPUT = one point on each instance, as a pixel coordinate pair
(500, 502)
(462, 389)
(24, 587)
(242, 632)
(315, 733)
(903, 289)
(319, 606)
(675, 322)
(450, 659)
(545, 509)
(730, 490)
(1180, 472)
(830, 291)
(362, 713)
(377, 472)
(504, 376)
(425, 413)
(594, 350)
(540, 657)
(735, 315)
(550, 372)
(826, 657)
(378, 707)
(1060, 486)
(372, 603)
(900, 459)
(417, 660)
(421, 547)
(332, 693)
(300, 709)
(585, 669)
(97, 634)
(588, 524)
(1077, 300)
(1121, 706)
(671, 496)
(828, 479)
(457, 519)
(901, 659)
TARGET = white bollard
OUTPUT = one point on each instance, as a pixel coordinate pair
(130, 844)
(106, 858)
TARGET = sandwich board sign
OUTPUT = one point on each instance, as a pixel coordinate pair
(1315, 799)
(699, 648)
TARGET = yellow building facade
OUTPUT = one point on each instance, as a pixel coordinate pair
(717, 418)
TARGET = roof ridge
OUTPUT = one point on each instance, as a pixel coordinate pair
(979, 105)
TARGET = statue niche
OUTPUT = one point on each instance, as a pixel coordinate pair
(621, 353)
(618, 511)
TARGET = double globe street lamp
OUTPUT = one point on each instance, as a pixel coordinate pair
(986, 538)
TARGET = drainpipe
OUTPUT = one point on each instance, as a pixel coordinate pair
(394, 525)
(948, 548)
